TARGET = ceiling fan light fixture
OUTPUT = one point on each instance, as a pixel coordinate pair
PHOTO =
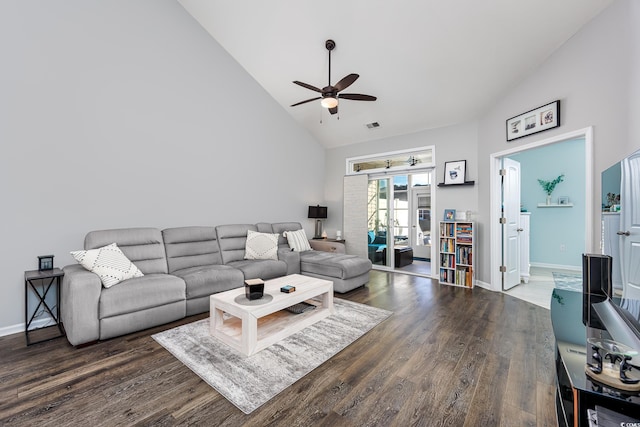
(329, 102)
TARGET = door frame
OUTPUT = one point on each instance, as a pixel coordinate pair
(495, 196)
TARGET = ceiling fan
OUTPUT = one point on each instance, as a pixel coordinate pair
(330, 95)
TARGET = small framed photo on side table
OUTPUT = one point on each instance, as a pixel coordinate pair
(45, 262)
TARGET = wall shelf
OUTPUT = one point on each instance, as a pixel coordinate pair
(442, 184)
(555, 205)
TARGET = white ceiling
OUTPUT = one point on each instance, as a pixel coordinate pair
(431, 63)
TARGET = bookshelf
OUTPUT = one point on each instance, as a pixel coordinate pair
(456, 241)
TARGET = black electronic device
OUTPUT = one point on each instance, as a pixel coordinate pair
(596, 286)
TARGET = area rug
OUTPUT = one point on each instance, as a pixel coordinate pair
(569, 281)
(249, 382)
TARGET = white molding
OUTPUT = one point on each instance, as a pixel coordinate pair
(19, 328)
(494, 199)
(557, 266)
(484, 285)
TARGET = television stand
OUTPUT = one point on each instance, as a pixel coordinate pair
(577, 393)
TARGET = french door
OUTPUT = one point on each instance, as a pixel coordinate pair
(398, 216)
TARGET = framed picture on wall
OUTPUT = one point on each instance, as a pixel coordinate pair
(455, 172)
(563, 200)
(449, 214)
(534, 121)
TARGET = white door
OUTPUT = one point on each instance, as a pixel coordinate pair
(511, 226)
(630, 226)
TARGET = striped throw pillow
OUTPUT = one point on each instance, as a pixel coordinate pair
(297, 240)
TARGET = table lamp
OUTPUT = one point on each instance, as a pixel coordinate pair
(318, 213)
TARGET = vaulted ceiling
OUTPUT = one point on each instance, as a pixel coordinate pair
(430, 63)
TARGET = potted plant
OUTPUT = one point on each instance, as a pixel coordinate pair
(549, 186)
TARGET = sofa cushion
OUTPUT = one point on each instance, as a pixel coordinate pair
(264, 269)
(210, 279)
(333, 265)
(143, 246)
(109, 263)
(188, 247)
(261, 245)
(297, 240)
(140, 293)
(232, 239)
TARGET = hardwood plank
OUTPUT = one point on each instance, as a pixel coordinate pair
(447, 356)
(545, 405)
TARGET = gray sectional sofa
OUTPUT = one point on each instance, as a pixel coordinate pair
(182, 267)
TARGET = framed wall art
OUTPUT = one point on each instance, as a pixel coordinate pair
(534, 121)
(455, 172)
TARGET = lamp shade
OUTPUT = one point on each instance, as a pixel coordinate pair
(317, 211)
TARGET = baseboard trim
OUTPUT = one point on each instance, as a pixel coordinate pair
(484, 285)
(19, 328)
(557, 266)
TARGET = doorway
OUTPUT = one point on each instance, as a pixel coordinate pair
(400, 222)
(499, 234)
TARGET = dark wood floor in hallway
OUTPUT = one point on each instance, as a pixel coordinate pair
(448, 356)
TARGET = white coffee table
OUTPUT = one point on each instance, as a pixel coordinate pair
(251, 328)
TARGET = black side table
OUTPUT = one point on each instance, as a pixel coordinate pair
(37, 281)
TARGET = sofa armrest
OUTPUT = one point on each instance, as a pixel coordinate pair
(291, 258)
(325, 246)
(80, 297)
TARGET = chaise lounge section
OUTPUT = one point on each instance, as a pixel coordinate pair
(182, 267)
(347, 272)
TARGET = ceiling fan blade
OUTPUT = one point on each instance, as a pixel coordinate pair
(333, 110)
(346, 82)
(308, 86)
(357, 97)
(304, 102)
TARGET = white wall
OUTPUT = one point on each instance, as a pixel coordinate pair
(451, 143)
(591, 75)
(596, 75)
(127, 113)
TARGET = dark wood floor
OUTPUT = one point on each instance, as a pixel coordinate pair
(447, 356)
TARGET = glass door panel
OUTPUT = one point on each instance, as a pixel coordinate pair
(422, 219)
(379, 216)
(421, 197)
(400, 211)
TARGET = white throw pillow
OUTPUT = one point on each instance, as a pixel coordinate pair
(109, 263)
(261, 245)
(297, 240)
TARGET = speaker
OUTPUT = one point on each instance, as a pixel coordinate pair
(596, 286)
